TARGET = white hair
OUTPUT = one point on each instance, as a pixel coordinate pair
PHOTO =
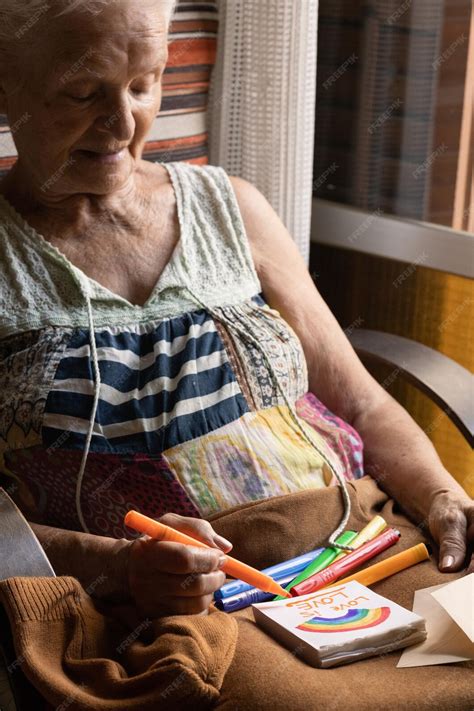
(17, 17)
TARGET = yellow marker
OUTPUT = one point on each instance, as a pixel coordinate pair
(389, 566)
(372, 529)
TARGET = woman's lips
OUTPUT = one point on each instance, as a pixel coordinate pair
(104, 158)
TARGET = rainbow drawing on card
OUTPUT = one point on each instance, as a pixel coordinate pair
(353, 620)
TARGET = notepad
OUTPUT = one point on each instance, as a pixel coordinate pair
(339, 624)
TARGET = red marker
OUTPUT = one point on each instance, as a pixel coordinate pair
(345, 565)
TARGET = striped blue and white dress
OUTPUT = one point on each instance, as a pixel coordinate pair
(194, 402)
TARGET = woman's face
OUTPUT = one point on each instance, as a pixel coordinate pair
(86, 97)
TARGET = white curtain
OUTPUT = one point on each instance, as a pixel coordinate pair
(262, 103)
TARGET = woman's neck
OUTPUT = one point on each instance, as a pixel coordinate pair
(74, 211)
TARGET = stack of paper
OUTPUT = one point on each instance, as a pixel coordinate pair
(340, 624)
(449, 614)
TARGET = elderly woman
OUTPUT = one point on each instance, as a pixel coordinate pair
(163, 346)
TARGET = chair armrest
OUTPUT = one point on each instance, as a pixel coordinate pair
(445, 382)
(20, 551)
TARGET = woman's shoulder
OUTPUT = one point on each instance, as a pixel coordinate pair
(157, 175)
(266, 234)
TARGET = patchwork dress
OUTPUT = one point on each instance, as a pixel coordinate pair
(194, 402)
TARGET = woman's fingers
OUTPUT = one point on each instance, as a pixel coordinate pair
(452, 542)
(172, 578)
(222, 543)
(452, 524)
(192, 585)
(179, 559)
(197, 528)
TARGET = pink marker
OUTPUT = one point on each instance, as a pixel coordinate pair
(345, 565)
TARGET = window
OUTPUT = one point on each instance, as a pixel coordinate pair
(394, 108)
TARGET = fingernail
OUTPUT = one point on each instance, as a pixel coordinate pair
(447, 562)
(222, 560)
(221, 541)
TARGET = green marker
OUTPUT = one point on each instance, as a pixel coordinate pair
(321, 561)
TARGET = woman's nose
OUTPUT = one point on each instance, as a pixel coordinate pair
(117, 119)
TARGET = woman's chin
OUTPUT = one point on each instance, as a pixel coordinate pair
(99, 176)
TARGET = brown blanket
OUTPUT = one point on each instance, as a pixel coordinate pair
(80, 657)
(263, 675)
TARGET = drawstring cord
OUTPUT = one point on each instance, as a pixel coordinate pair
(97, 382)
(249, 338)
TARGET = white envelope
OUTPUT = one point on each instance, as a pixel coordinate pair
(449, 614)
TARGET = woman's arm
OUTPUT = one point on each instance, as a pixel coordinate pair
(398, 454)
(99, 563)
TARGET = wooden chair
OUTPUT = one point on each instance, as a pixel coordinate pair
(20, 555)
(443, 380)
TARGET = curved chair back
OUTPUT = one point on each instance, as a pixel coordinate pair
(20, 555)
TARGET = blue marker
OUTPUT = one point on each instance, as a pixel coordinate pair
(248, 597)
(289, 568)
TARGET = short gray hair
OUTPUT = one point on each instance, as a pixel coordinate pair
(17, 17)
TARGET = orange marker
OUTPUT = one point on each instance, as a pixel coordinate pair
(233, 567)
(389, 566)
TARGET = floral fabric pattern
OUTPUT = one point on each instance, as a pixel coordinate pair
(261, 454)
(281, 346)
(343, 439)
(114, 485)
(28, 363)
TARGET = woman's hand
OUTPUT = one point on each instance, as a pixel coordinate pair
(168, 578)
(451, 522)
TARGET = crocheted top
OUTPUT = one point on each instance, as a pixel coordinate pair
(194, 402)
(41, 287)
